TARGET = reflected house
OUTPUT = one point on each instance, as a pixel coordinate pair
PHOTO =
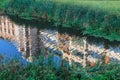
(7, 29)
(64, 43)
(26, 39)
(30, 40)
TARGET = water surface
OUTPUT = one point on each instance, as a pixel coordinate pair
(26, 41)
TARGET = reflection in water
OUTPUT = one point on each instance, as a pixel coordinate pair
(29, 41)
(25, 39)
(8, 52)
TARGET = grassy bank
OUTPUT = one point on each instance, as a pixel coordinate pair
(2, 3)
(94, 18)
(106, 5)
(13, 70)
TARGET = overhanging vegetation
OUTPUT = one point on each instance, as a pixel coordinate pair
(95, 18)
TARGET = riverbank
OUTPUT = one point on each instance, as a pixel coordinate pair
(94, 18)
(2, 3)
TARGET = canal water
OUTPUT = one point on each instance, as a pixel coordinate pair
(25, 42)
(9, 52)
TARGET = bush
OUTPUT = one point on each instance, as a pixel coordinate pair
(42, 70)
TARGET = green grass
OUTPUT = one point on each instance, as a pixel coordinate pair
(12, 70)
(109, 6)
(2, 2)
(94, 18)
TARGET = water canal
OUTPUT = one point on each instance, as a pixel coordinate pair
(24, 41)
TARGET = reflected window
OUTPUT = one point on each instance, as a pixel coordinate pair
(5, 29)
(9, 31)
(22, 49)
(4, 23)
(13, 32)
(12, 26)
(0, 23)
(0, 29)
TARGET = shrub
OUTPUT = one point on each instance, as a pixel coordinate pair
(40, 70)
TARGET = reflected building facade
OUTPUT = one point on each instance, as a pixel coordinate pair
(25, 39)
(29, 41)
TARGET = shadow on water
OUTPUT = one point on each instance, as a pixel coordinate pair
(96, 40)
(32, 23)
(42, 24)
